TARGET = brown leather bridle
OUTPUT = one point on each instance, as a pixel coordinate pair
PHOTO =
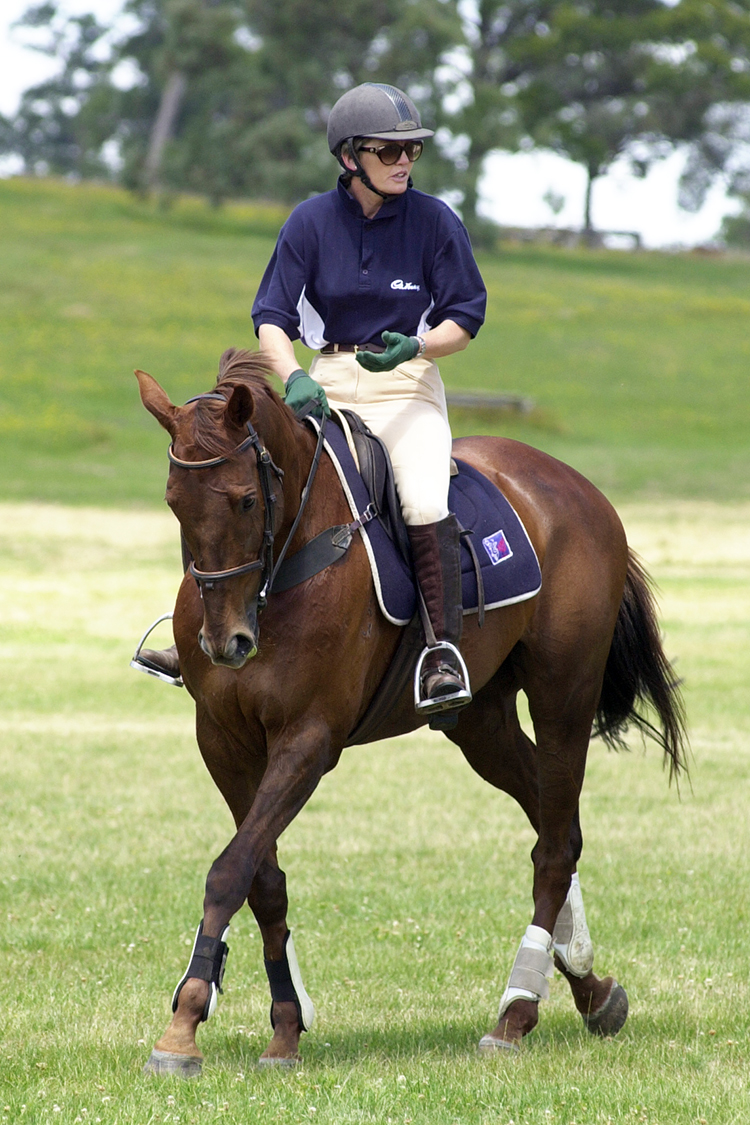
(266, 469)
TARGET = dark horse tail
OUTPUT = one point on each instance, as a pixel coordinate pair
(638, 672)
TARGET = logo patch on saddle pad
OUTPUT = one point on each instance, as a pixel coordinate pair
(497, 547)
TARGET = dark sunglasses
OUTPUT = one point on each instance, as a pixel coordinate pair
(391, 153)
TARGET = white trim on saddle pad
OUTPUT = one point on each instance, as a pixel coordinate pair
(356, 515)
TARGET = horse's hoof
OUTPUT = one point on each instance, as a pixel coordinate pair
(288, 1063)
(488, 1045)
(609, 1019)
(164, 1062)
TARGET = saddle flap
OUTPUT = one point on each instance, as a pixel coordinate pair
(377, 473)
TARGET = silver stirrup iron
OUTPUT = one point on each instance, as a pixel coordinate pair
(571, 938)
(449, 702)
(176, 681)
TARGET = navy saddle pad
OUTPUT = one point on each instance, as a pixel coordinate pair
(509, 566)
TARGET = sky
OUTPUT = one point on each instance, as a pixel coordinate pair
(513, 187)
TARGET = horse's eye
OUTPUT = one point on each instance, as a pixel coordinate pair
(248, 502)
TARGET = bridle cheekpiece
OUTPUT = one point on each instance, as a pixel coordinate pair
(266, 468)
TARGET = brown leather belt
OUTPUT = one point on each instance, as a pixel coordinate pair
(331, 349)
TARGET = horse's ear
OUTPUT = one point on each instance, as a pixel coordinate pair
(239, 407)
(157, 402)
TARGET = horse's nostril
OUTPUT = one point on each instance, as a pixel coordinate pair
(245, 647)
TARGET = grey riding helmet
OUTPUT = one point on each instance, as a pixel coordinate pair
(374, 110)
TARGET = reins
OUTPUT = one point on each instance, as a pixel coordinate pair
(266, 467)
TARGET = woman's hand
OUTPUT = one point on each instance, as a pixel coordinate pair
(301, 388)
(398, 349)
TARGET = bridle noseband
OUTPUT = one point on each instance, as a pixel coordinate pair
(266, 468)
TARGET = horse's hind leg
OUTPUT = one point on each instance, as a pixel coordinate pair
(496, 747)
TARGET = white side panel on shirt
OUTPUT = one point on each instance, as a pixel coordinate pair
(311, 326)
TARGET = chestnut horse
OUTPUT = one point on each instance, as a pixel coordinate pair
(585, 650)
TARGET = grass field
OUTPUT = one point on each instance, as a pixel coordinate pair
(410, 880)
(637, 363)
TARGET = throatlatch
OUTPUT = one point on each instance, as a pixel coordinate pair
(285, 981)
(207, 962)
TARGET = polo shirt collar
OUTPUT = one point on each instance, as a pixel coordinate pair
(390, 207)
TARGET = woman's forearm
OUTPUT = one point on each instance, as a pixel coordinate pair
(445, 339)
(279, 350)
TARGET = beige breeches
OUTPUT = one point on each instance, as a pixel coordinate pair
(406, 408)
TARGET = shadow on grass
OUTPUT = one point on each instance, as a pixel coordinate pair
(405, 1042)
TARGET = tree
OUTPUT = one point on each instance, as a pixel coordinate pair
(62, 123)
(596, 80)
(715, 94)
(184, 51)
(231, 96)
(236, 96)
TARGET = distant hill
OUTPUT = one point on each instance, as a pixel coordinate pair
(636, 363)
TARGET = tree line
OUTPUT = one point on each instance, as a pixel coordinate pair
(229, 98)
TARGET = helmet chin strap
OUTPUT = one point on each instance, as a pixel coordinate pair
(360, 172)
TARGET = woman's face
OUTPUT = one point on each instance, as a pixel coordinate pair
(393, 179)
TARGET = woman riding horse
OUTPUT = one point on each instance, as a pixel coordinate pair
(380, 279)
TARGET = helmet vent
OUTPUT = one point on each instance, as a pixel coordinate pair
(402, 109)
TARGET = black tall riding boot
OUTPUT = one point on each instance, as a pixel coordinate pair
(444, 682)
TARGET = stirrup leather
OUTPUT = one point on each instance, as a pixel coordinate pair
(451, 701)
(141, 666)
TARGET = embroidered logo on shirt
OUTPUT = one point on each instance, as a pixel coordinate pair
(497, 547)
(399, 284)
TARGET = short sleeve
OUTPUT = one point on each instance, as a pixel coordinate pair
(458, 291)
(283, 283)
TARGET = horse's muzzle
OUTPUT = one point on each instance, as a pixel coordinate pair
(234, 653)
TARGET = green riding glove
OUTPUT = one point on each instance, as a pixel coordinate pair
(300, 388)
(398, 349)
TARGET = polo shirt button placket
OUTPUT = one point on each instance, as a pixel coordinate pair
(364, 267)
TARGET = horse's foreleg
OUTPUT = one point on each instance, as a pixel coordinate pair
(291, 776)
(292, 1011)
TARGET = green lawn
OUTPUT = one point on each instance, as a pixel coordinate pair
(409, 879)
(637, 363)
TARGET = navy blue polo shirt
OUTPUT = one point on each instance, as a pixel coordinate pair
(337, 277)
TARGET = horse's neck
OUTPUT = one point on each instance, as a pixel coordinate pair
(292, 447)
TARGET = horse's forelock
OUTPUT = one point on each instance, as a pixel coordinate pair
(237, 367)
(243, 363)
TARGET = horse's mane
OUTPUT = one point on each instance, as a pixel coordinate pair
(237, 367)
